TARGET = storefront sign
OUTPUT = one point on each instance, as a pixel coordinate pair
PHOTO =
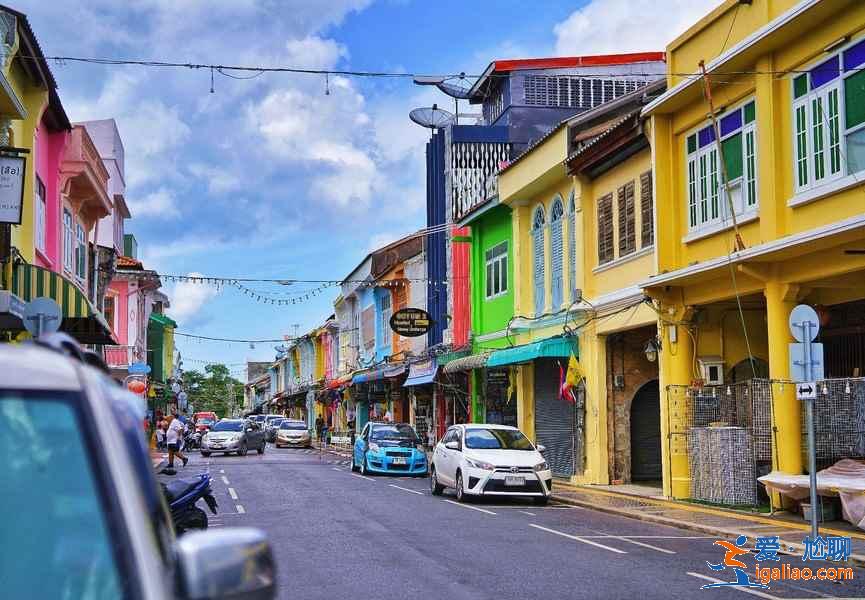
(11, 188)
(410, 322)
(497, 376)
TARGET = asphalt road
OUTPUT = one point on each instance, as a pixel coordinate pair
(339, 535)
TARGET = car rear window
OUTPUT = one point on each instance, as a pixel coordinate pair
(62, 545)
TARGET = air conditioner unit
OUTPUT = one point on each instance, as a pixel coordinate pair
(712, 368)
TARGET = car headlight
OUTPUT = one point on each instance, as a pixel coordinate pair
(235, 437)
(373, 447)
(541, 466)
(479, 464)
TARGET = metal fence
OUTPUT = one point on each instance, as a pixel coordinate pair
(839, 421)
(725, 432)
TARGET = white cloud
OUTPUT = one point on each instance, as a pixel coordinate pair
(160, 203)
(610, 26)
(219, 180)
(188, 298)
(313, 52)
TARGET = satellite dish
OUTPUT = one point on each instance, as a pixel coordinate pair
(42, 316)
(432, 118)
(459, 90)
(454, 90)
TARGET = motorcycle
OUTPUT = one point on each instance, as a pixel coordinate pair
(192, 440)
(182, 495)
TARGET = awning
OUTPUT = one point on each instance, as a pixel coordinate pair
(376, 374)
(447, 357)
(468, 363)
(421, 373)
(339, 382)
(558, 347)
(80, 319)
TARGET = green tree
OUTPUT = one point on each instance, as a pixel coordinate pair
(214, 390)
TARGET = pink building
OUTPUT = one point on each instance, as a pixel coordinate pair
(50, 141)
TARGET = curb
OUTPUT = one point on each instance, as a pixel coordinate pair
(730, 534)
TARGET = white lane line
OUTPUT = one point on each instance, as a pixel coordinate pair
(653, 537)
(225, 480)
(483, 510)
(740, 589)
(406, 489)
(335, 469)
(222, 470)
(240, 509)
(531, 514)
(362, 477)
(232, 493)
(578, 539)
(644, 545)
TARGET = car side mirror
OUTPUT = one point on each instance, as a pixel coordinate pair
(234, 563)
(452, 445)
(541, 448)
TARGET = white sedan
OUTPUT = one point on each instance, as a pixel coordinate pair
(490, 460)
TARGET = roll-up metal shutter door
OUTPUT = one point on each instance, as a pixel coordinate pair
(555, 420)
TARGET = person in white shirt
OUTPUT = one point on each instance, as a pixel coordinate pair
(160, 436)
(173, 437)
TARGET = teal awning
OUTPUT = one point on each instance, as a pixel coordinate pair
(558, 347)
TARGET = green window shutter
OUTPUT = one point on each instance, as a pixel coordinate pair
(800, 86)
(750, 112)
(802, 145)
(732, 148)
(692, 143)
(854, 99)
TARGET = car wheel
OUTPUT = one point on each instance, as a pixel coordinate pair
(205, 454)
(353, 466)
(243, 450)
(363, 468)
(435, 487)
(542, 501)
(461, 496)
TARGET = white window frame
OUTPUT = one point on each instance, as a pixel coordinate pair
(707, 208)
(807, 104)
(41, 215)
(81, 252)
(496, 282)
(68, 241)
(385, 317)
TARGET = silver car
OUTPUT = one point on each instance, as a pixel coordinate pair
(293, 433)
(233, 435)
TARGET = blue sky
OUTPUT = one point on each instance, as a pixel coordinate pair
(269, 177)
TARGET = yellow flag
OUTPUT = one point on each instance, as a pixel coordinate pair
(575, 373)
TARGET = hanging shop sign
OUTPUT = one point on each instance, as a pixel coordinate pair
(11, 188)
(410, 322)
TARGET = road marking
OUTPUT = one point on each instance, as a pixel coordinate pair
(578, 539)
(222, 470)
(362, 477)
(232, 493)
(336, 469)
(531, 514)
(740, 589)
(240, 509)
(644, 545)
(406, 489)
(483, 510)
(654, 537)
(225, 480)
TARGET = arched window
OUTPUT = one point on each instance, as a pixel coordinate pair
(538, 224)
(557, 260)
(572, 246)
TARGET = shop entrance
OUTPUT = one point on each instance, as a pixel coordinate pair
(555, 420)
(646, 433)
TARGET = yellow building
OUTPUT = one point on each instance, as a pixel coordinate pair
(759, 209)
(583, 231)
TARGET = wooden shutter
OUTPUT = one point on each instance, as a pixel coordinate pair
(605, 229)
(647, 218)
(627, 235)
(538, 235)
(557, 258)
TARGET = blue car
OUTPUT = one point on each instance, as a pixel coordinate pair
(393, 448)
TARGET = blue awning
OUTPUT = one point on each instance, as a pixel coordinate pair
(376, 374)
(421, 373)
(558, 347)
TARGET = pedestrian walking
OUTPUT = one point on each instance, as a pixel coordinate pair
(160, 436)
(319, 425)
(174, 438)
(324, 430)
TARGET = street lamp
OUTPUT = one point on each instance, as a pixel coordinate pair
(653, 346)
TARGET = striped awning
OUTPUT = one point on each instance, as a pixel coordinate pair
(467, 363)
(80, 319)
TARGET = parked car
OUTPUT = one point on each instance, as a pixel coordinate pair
(94, 524)
(292, 432)
(272, 428)
(233, 435)
(204, 420)
(271, 424)
(490, 460)
(389, 448)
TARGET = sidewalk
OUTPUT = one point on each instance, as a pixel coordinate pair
(159, 459)
(724, 523)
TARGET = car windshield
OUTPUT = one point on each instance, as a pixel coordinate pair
(273, 420)
(228, 426)
(296, 425)
(497, 439)
(204, 421)
(393, 432)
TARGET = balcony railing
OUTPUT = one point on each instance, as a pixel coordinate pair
(119, 356)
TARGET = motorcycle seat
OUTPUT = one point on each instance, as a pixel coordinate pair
(178, 487)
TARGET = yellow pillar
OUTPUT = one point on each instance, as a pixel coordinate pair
(593, 359)
(676, 372)
(526, 400)
(780, 300)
